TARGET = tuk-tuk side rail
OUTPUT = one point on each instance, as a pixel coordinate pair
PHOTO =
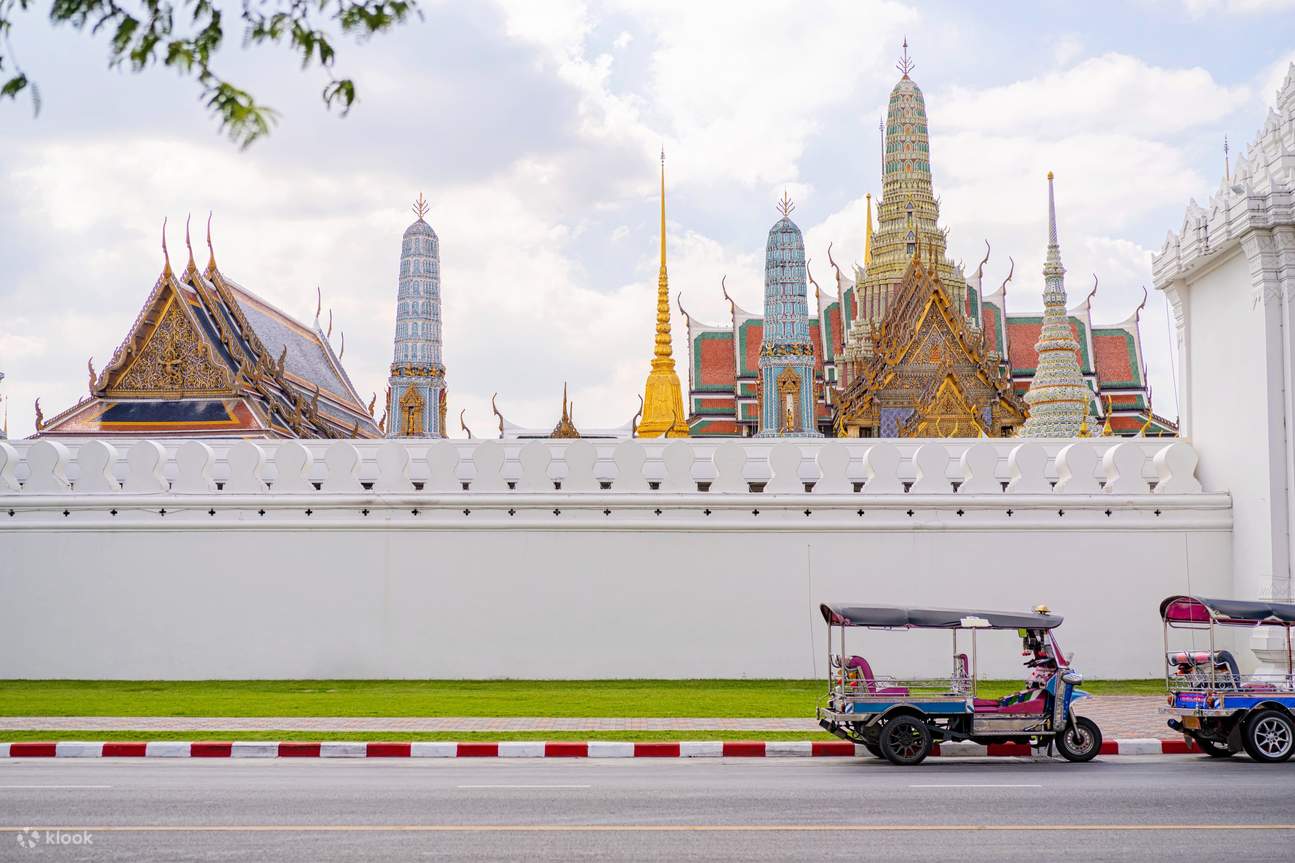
(1256, 684)
(890, 687)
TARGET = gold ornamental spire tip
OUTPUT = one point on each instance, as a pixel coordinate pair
(663, 212)
(786, 206)
(421, 208)
(905, 64)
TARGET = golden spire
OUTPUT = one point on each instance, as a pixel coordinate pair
(867, 240)
(663, 400)
(663, 348)
(421, 208)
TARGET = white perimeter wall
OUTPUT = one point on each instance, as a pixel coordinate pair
(562, 603)
(616, 583)
(1235, 420)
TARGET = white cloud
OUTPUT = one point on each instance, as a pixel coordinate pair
(1199, 8)
(1112, 93)
(1067, 49)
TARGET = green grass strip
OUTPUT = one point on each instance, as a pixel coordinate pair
(491, 698)
(464, 737)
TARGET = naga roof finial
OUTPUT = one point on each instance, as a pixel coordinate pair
(1011, 270)
(187, 244)
(211, 251)
(1137, 313)
(463, 425)
(166, 256)
(1093, 292)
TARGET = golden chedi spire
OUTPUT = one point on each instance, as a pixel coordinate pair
(663, 413)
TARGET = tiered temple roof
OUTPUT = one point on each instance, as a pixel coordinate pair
(208, 358)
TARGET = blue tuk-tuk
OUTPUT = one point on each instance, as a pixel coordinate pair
(901, 720)
(1214, 705)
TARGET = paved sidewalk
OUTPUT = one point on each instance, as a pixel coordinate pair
(1123, 716)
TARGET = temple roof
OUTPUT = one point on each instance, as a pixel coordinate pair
(207, 357)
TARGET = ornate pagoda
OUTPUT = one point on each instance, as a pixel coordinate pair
(208, 358)
(724, 368)
(416, 389)
(787, 406)
(926, 373)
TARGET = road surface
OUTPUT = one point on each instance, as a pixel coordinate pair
(1126, 808)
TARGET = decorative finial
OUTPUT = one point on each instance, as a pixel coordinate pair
(1227, 161)
(1137, 313)
(166, 256)
(89, 365)
(421, 207)
(319, 304)
(1052, 214)
(40, 416)
(463, 425)
(1093, 292)
(634, 422)
(341, 353)
(785, 206)
(373, 403)
(187, 244)
(1011, 270)
(495, 410)
(905, 65)
(211, 251)
(329, 333)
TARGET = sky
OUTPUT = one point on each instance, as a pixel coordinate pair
(534, 131)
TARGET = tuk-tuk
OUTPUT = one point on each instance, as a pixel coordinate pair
(901, 720)
(1217, 707)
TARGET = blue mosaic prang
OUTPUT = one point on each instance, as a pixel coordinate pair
(786, 347)
(416, 358)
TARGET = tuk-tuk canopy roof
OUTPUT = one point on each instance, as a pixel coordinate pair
(891, 616)
(1233, 612)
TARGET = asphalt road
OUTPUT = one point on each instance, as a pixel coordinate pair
(1125, 808)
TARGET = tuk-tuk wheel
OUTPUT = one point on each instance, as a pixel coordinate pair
(1269, 736)
(1080, 741)
(905, 740)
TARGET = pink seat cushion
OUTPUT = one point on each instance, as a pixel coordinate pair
(893, 690)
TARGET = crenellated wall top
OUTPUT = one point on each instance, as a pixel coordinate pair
(1259, 194)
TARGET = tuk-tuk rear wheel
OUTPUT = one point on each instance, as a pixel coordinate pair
(1269, 736)
(905, 740)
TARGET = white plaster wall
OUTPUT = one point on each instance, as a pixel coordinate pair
(1233, 419)
(546, 603)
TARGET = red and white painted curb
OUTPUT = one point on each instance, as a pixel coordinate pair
(539, 749)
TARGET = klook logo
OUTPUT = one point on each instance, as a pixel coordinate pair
(30, 837)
